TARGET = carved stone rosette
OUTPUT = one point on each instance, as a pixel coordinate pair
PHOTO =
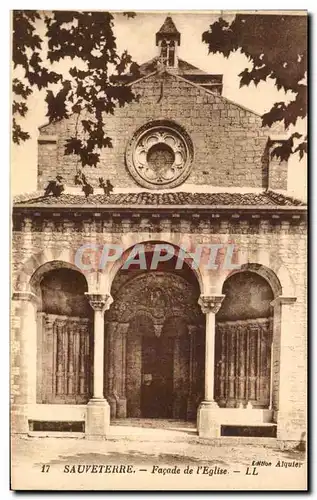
(160, 155)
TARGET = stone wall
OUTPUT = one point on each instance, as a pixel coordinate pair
(276, 243)
(231, 148)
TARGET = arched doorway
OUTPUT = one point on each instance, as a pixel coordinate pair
(64, 336)
(152, 397)
(243, 345)
(155, 344)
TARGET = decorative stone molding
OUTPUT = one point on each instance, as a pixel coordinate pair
(25, 296)
(159, 155)
(283, 300)
(245, 322)
(158, 330)
(98, 301)
(210, 303)
(168, 295)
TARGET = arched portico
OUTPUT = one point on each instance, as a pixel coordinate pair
(61, 333)
(251, 321)
(195, 345)
(155, 341)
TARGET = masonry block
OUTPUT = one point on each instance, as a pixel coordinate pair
(98, 419)
(208, 424)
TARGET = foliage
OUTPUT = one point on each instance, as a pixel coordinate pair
(106, 186)
(81, 180)
(90, 87)
(55, 187)
(276, 46)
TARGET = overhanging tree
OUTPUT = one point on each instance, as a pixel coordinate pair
(91, 87)
(276, 46)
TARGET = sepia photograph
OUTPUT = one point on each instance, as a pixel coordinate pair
(158, 336)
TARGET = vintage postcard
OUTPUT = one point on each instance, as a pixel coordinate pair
(159, 211)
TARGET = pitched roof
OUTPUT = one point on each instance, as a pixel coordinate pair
(168, 30)
(168, 27)
(133, 200)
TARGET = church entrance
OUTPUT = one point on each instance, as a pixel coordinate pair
(155, 338)
(157, 377)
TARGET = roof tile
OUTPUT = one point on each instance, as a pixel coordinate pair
(265, 198)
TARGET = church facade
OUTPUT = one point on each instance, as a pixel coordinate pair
(212, 326)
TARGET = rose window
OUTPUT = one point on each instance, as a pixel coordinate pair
(159, 156)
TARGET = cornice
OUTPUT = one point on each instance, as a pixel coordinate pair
(162, 209)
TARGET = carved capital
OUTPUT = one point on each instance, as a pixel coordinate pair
(49, 320)
(98, 301)
(210, 303)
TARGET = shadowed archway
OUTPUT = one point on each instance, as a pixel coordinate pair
(155, 341)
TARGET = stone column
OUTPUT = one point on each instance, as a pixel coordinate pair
(23, 358)
(111, 332)
(207, 423)
(285, 358)
(98, 410)
(120, 369)
(191, 406)
(176, 378)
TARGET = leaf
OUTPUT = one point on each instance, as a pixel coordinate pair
(129, 15)
(284, 149)
(73, 145)
(19, 108)
(87, 37)
(18, 135)
(20, 89)
(301, 149)
(276, 48)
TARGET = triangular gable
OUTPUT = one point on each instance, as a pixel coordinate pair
(214, 98)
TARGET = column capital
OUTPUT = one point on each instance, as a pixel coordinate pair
(283, 300)
(210, 303)
(98, 301)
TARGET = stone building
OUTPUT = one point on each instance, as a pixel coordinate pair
(224, 341)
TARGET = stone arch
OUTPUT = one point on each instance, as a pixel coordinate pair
(286, 280)
(112, 268)
(268, 274)
(31, 269)
(48, 266)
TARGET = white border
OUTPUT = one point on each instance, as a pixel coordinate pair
(167, 5)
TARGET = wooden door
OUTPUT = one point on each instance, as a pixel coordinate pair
(157, 377)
